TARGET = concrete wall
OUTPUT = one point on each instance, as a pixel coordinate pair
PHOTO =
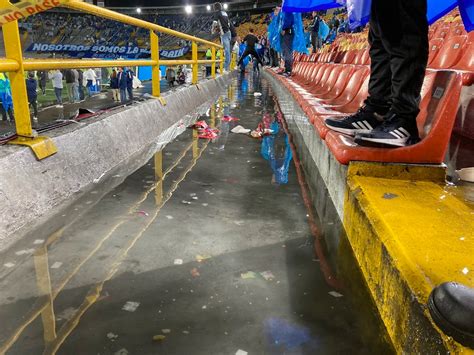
(31, 190)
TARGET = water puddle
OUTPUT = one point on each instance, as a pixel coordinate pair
(205, 249)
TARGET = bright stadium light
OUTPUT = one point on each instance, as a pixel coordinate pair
(226, 6)
(208, 7)
(139, 11)
(188, 9)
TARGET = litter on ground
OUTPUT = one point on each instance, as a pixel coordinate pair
(195, 272)
(248, 275)
(267, 275)
(130, 306)
(178, 261)
(159, 337)
(240, 130)
(335, 294)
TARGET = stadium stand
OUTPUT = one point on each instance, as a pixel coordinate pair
(334, 82)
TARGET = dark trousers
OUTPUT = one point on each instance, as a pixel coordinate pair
(315, 42)
(398, 40)
(123, 95)
(252, 52)
(3, 113)
(130, 93)
(287, 51)
(81, 92)
(274, 61)
(34, 104)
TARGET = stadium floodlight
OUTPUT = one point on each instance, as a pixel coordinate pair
(139, 11)
(208, 7)
(188, 9)
(226, 6)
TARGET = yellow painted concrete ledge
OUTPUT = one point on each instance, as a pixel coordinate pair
(409, 233)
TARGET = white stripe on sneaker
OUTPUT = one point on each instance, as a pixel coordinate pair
(405, 131)
(393, 133)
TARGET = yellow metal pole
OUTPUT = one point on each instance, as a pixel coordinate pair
(11, 38)
(213, 68)
(155, 69)
(195, 63)
(221, 69)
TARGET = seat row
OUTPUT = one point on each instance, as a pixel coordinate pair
(337, 89)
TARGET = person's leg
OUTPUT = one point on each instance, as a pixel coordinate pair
(77, 96)
(256, 56)
(10, 113)
(314, 41)
(404, 33)
(123, 95)
(287, 51)
(130, 93)
(70, 92)
(226, 43)
(245, 54)
(57, 93)
(377, 104)
(34, 104)
(3, 113)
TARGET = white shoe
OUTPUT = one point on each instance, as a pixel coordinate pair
(35, 119)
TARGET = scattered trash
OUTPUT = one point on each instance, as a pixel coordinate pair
(209, 133)
(159, 337)
(184, 202)
(240, 130)
(56, 265)
(185, 332)
(239, 223)
(195, 198)
(241, 352)
(466, 174)
(204, 307)
(169, 217)
(23, 252)
(257, 94)
(122, 351)
(201, 258)
(204, 204)
(130, 306)
(389, 196)
(229, 119)
(178, 261)
(195, 272)
(201, 125)
(112, 336)
(248, 275)
(9, 265)
(38, 241)
(166, 331)
(335, 294)
(192, 194)
(267, 275)
(143, 213)
(67, 314)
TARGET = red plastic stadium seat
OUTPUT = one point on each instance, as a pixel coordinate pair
(435, 45)
(349, 57)
(466, 62)
(450, 53)
(435, 123)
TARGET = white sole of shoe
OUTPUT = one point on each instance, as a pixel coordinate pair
(401, 142)
(349, 132)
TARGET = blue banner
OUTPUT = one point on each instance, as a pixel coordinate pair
(107, 52)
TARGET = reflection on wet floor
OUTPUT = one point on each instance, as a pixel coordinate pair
(206, 249)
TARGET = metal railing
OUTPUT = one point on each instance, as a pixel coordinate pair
(17, 65)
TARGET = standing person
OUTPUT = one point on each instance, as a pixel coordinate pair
(81, 85)
(170, 76)
(130, 76)
(69, 76)
(6, 102)
(122, 81)
(57, 79)
(287, 36)
(398, 38)
(90, 78)
(208, 57)
(42, 81)
(225, 31)
(114, 86)
(250, 40)
(31, 90)
(314, 27)
(75, 86)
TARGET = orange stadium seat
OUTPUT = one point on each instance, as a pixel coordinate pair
(449, 54)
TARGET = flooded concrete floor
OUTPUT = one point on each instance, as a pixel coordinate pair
(205, 247)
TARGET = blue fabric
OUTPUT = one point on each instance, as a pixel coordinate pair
(287, 20)
(31, 86)
(323, 30)
(274, 35)
(359, 10)
(299, 42)
(6, 94)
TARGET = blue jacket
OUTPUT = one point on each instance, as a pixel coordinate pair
(122, 80)
(31, 86)
(288, 21)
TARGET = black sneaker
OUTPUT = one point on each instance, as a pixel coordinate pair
(363, 121)
(394, 131)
